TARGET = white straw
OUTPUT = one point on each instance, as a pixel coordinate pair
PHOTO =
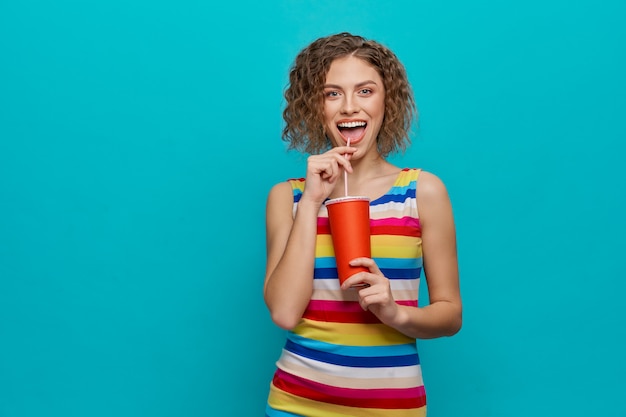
(345, 175)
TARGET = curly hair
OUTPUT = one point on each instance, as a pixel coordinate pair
(303, 113)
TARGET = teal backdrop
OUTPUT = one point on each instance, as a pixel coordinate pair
(139, 139)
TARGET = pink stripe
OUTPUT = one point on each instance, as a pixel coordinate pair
(392, 221)
(347, 306)
(322, 221)
(343, 306)
(388, 221)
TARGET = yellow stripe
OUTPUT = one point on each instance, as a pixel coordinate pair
(383, 246)
(283, 401)
(324, 246)
(389, 246)
(395, 240)
(396, 252)
(406, 177)
(297, 185)
(351, 334)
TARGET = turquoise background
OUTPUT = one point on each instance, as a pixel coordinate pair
(139, 139)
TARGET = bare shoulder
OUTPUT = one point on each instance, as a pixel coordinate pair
(280, 191)
(279, 201)
(433, 201)
(431, 187)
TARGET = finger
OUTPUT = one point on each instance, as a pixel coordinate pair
(368, 299)
(345, 163)
(357, 281)
(343, 155)
(344, 150)
(337, 161)
(368, 263)
(336, 171)
(329, 171)
(324, 167)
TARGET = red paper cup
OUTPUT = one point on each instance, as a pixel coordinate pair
(349, 219)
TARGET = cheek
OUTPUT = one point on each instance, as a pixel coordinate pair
(381, 106)
(328, 108)
(328, 116)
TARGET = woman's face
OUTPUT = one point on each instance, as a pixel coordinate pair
(354, 104)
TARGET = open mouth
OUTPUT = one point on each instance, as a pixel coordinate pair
(353, 131)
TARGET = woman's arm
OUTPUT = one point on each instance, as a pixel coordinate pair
(291, 240)
(290, 256)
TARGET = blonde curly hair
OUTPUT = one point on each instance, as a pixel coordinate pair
(303, 113)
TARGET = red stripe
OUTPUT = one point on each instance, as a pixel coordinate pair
(344, 311)
(338, 312)
(396, 230)
(323, 227)
(390, 399)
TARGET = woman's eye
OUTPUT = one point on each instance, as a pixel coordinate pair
(366, 91)
(332, 94)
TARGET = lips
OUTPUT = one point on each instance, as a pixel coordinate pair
(353, 130)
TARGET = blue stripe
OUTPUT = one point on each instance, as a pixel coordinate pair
(325, 262)
(402, 189)
(395, 198)
(297, 194)
(325, 273)
(390, 273)
(412, 273)
(398, 263)
(358, 351)
(356, 362)
(391, 263)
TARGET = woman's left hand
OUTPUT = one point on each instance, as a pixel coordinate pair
(374, 290)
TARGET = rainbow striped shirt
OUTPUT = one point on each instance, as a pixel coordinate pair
(341, 360)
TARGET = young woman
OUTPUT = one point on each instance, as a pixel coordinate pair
(352, 351)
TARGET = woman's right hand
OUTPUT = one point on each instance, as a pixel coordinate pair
(323, 171)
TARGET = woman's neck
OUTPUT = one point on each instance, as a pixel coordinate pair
(371, 177)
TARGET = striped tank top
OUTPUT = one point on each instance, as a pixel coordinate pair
(340, 360)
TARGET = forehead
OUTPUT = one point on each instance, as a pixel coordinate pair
(351, 70)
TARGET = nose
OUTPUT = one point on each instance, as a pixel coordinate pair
(350, 105)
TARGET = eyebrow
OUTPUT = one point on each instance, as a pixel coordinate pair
(361, 84)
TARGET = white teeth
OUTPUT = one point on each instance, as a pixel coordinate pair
(351, 124)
